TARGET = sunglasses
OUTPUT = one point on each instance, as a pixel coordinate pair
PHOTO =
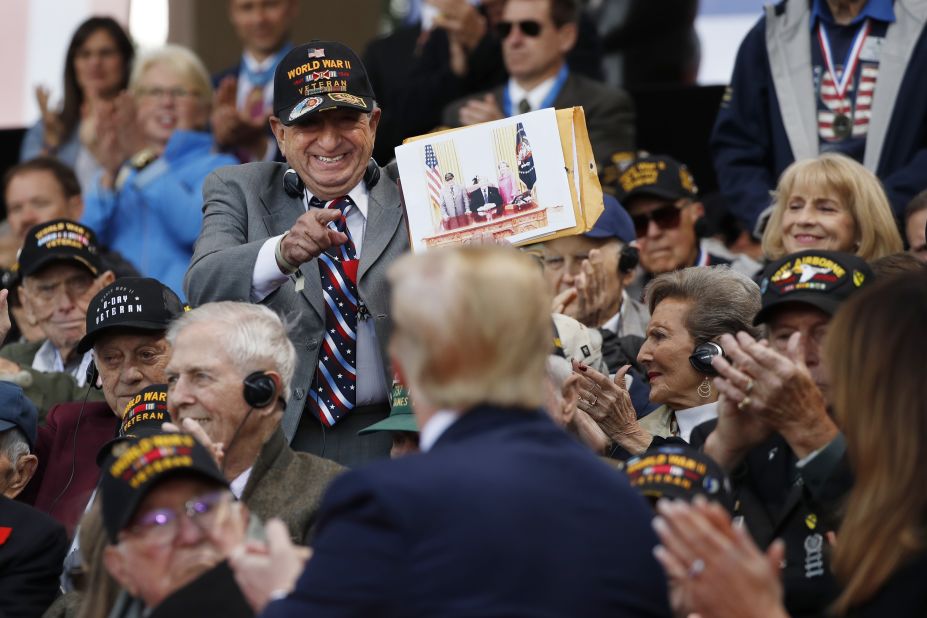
(666, 217)
(528, 27)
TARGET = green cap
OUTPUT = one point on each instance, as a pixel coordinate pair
(401, 417)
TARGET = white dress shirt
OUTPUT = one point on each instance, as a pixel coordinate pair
(48, 359)
(614, 322)
(267, 277)
(435, 428)
(691, 418)
(238, 485)
(535, 96)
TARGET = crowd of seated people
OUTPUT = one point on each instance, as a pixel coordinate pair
(229, 388)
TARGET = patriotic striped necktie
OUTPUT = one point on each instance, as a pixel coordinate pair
(334, 386)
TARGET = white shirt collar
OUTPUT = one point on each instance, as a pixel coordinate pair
(535, 96)
(691, 418)
(358, 195)
(254, 64)
(238, 485)
(48, 359)
(435, 428)
(614, 322)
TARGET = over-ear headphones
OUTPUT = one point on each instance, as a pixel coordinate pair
(628, 259)
(293, 185)
(701, 357)
(260, 390)
(92, 374)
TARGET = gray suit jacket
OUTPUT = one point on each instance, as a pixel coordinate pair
(609, 113)
(243, 206)
(275, 475)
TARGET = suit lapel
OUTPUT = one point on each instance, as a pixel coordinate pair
(384, 214)
(282, 212)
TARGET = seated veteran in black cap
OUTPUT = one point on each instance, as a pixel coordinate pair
(18, 428)
(169, 517)
(230, 371)
(662, 198)
(774, 433)
(400, 424)
(335, 217)
(126, 324)
(59, 271)
(587, 274)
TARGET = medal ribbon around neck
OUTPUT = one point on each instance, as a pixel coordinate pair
(849, 67)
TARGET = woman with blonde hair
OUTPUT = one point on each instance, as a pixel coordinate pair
(155, 152)
(833, 203)
(875, 350)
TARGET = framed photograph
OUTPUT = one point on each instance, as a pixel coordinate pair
(507, 178)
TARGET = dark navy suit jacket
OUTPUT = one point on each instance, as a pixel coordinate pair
(505, 516)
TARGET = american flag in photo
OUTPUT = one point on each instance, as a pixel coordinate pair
(433, 174)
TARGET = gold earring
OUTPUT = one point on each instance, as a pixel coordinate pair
(704, 389)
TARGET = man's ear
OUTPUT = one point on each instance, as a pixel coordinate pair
(279, 132)
(566, 36)
(106, 278)
(570, 393)
(115, 563)
(75, 207)
(28, 307)
(22, 474)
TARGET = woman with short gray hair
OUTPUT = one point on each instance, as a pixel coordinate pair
(690, 310)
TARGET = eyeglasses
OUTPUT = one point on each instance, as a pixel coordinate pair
(160, 526)
(528, 27)
(159, 93)
(666, 217)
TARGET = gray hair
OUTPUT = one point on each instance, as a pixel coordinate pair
(723, 301)
(14, 444)
(252, 335)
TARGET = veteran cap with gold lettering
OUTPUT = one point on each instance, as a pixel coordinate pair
(678, 471)
(143, 415)
(822, 279)
(130, 302)
(657, 176)
(319, 76)
(135, 465)
(58, 240)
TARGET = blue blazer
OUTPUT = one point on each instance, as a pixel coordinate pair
(505, 516)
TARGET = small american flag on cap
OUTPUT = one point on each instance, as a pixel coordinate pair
(315, 52)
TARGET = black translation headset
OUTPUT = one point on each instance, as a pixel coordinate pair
(701, 357)
(294, 187)
(92, 375)
(259, 390)
(628, 259)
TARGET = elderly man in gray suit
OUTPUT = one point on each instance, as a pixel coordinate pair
(313, 242)
(454, 203)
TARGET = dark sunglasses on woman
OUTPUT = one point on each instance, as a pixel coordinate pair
(528, 27)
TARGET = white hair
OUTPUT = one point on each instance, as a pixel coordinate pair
(13, 444)
(253, 336)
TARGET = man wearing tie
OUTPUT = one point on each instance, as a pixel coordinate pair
(454, 203)
(313, 242)
(485, 199)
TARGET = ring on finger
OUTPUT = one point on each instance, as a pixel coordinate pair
(744, 403)
(749, 386)
(696, 568)
(595, 398)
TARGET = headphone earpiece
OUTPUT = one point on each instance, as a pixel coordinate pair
(702, 355)
(628, 260)
(92, 375)
(260, 390)
(292, 183)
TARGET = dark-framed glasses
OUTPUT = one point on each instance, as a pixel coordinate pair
(528, 27)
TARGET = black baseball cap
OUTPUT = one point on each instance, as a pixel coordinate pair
(143, 416)
(822, 279)
(657, 176)
(135, 465)
(319, 76)
(56, 241)
(678, 471)
(17, 411)
(130, 302)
